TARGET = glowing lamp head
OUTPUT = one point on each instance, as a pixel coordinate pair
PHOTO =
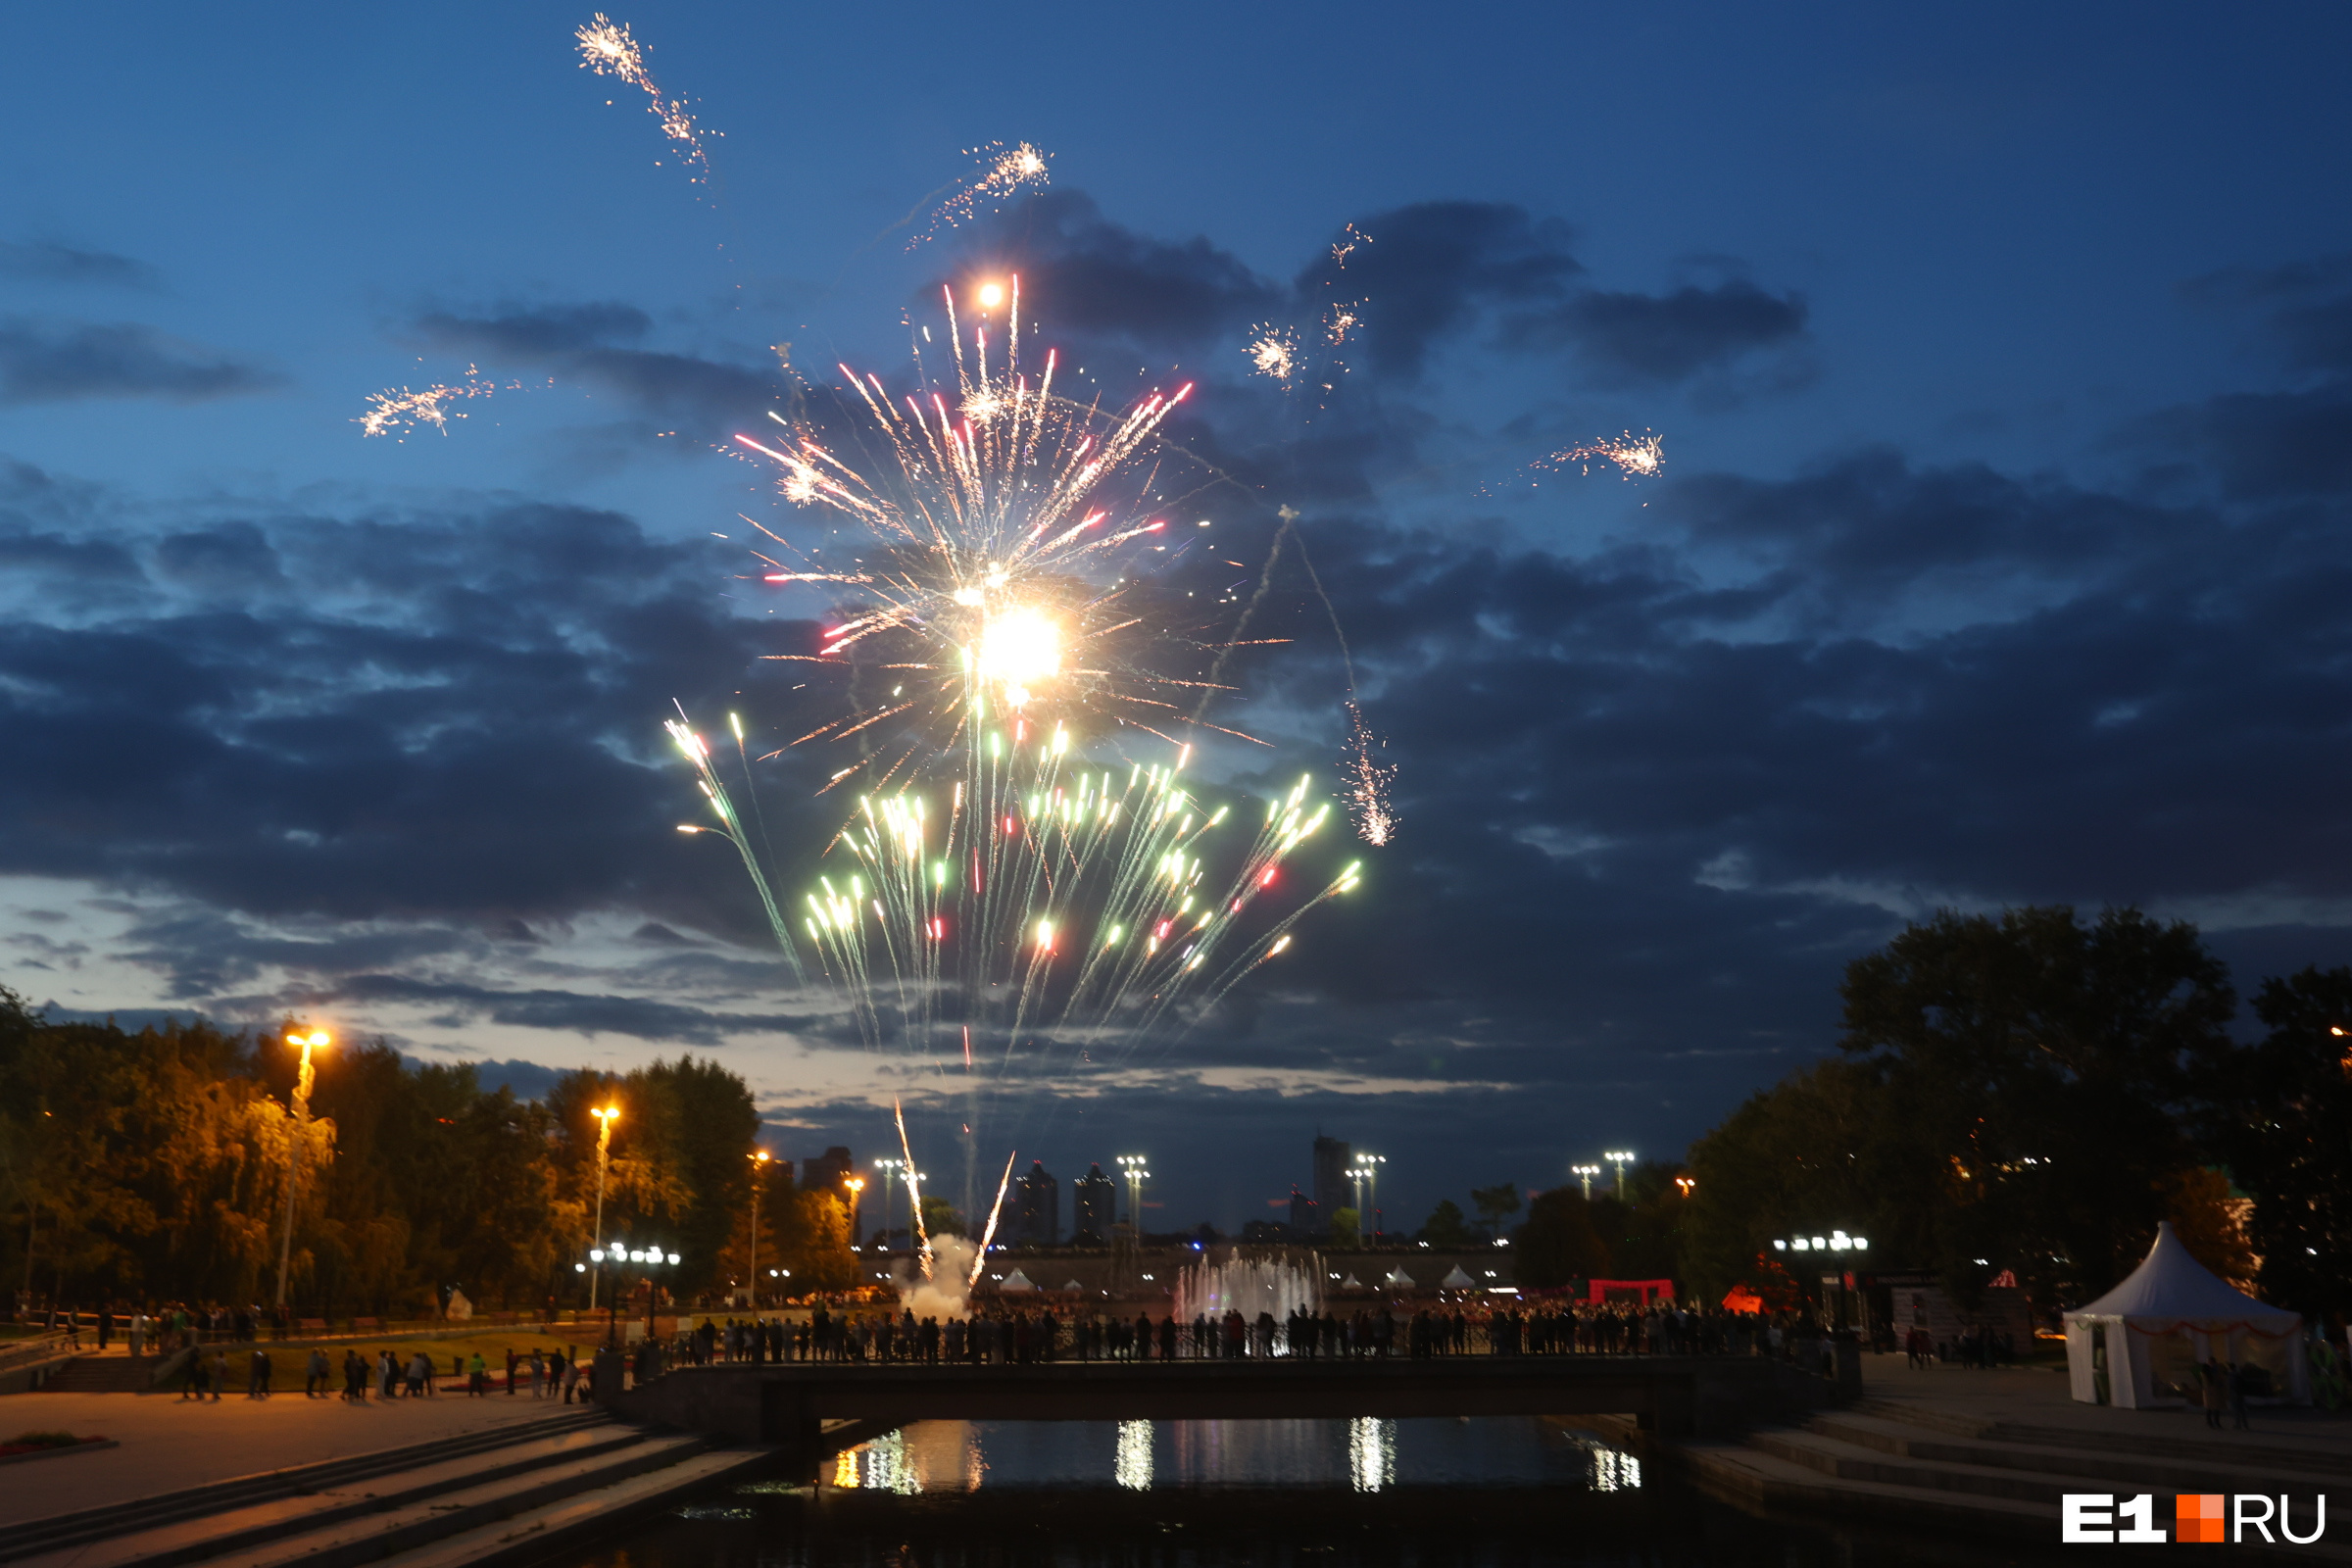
(991, 296)
(1019, 648)
(316, 1037)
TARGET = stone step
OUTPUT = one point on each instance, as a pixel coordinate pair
(36, 1535)
(532, 1536)
(1849, 1463)
(1748, 1474)
(347, 1542)
(2232, 1448)
(2221, 1468)
(103, 1374)
(248, 1529)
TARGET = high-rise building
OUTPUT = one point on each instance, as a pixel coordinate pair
(1094, 1205)
(1332, 1191)
(828, 1170)
(1306, 1216)
(1036, 1208)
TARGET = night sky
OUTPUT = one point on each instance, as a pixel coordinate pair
(2004, 362)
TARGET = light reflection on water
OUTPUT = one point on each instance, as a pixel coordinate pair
(1364, 1455)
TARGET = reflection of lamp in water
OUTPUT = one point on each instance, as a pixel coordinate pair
(1371, 1454)
(1134, 1464)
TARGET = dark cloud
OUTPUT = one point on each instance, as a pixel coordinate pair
(2305, 307)
(1664, 339)
(47, 262)
(56, 362)
(569, 1011)
(1106, 280)
(705, 399)
(1429, 270)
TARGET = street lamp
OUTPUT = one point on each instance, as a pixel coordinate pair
(1620, 1158)
(319, 1039)
(856, 1186)
(890, 1168)
(759, 1158)
(1585, 1174)
(1366, 1177)
(605, 1116)
(1137, 1169)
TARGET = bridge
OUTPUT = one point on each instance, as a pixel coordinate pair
(788, 1403)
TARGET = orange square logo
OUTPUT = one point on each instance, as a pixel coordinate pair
(2197, 1516)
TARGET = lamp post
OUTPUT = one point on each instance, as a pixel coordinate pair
(1585, 1174)
(1366, 1177)
(1620, 1158)
(759, 1159)
(1137, 1169)
(302, 1115)
(857, 1186)
(605, 1116)
(890, 1168)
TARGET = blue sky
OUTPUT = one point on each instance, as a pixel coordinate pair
(2001, 359)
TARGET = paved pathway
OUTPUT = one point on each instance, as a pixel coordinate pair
(168, 1444)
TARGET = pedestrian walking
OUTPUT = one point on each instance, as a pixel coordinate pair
(219, 1373)
(106, 1326)
(2240, 1375)
(313, 1386)
(256, 1376)
(477, 1380)
(2210, 1393)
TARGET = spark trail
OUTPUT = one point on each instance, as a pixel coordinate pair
(1002, 170)
(608, 49)
(398, 409)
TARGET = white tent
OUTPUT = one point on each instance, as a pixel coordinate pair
(2139, 1345)
(1399, 1279)
(1457, 1281)
(1018, 1281)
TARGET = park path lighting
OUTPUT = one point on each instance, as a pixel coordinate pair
(1686, 1183)
(1620, 1158)
(605, 1116)
(890, 1168)
(1585, 1174)
(759, 1159)
(317, 1039)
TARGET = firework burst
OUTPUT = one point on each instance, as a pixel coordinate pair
(1637, 456)
(398, 409)
(998, 871)
(1274, 351)
(1002, 170)
(1368, 782)
(608, 49)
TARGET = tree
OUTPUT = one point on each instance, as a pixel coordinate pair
(1494, 1204)
(1347, 1225)
(1446, 1226)
(2037, 1077)
(1558, 1245)
(2282, 1119)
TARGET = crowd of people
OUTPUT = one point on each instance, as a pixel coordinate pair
(997, 1335)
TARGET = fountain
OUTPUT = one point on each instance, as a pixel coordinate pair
(1249, 1286)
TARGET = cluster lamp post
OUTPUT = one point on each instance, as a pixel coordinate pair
(1136, 1170)
(1585, 1174)
(1366, 1177)
(302, 1117)
(890, 1168)
(1620, 1158)
(647, 1258)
